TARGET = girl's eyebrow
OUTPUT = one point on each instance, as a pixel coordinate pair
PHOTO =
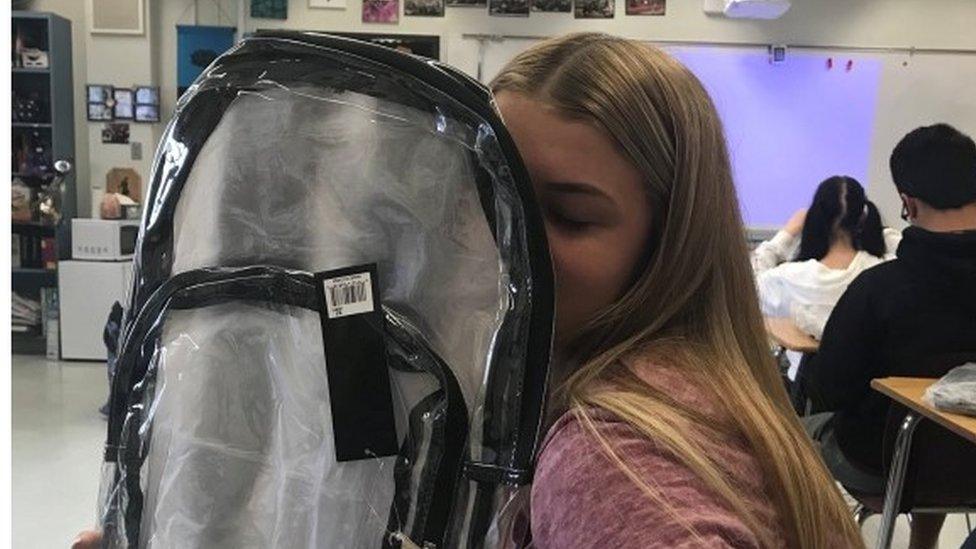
(576, 188)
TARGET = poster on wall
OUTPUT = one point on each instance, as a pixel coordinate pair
(327, 4)
(381, 11)
(467, 3)
(196, 47)
(423, 8)
(508, 8)
(594, 9)
(115, 132)
(269, 9)
(646, 7)
(552, 6)
(116, 16)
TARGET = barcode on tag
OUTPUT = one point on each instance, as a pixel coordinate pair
(349, 295)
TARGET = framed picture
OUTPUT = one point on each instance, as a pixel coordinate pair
(381, 11)
(146, 104)
(424, 8)
(327, 4)
(269, 9)
(508, 8)
(117, 16)
(99, 112)
(552, 6)
(594, 9)
(124, 101)
(467, 3)
(147, 95)
(147, 113)
(99, 93)
(115, 132)
(646, 7)
(101, 102)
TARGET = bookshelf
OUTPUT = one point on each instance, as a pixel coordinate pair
(42, 132)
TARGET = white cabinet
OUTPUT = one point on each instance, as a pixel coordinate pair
(87, 291)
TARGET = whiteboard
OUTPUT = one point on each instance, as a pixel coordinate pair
(788, 125)
(791, 125)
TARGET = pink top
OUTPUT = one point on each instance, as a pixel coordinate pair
(580, 498)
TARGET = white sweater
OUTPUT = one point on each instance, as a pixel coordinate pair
(806, 291)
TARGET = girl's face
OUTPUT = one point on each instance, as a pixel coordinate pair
(593, 202)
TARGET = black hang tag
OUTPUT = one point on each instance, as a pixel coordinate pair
(355, 359)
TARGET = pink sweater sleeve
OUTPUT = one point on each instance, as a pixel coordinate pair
(580, 498)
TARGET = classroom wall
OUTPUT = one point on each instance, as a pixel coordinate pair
(925, 90)
(917, 90)
(906, 99)
(889, 23)
(75, 12)
(121, 61)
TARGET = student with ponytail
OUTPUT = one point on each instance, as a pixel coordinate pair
(803, 271)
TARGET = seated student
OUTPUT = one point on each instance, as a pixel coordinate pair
(841, 237)
(913, 316)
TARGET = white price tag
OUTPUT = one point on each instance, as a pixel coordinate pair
(349, 295)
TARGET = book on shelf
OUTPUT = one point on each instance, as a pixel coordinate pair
(30, 251)
(15, 251)
(49, 254)
(24, 311)
(50, 325)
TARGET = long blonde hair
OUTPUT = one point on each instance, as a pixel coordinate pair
(694, 298)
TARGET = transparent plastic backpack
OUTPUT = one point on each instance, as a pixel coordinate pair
(339, 329)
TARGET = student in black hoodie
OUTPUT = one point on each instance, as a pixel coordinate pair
(913, 316)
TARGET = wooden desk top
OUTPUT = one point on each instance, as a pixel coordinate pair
(784, 332)
(909, 390)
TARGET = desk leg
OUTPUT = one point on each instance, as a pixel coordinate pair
(896, 479)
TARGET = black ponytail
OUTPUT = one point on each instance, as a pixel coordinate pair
(870, 238)
(840, 203)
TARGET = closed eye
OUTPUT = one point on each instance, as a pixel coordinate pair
(576, 207)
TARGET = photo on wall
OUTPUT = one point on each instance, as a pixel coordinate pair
(147, 95)
(381, 11)
(147, 113)
(124, 100)
(424, 8)
(646, 7)
(552, 6)
(467, 3)
(269, 9)
(117, 133)
(99, 111)
(508, 8)
(98, 93)
(101, 102)
(594, 9)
